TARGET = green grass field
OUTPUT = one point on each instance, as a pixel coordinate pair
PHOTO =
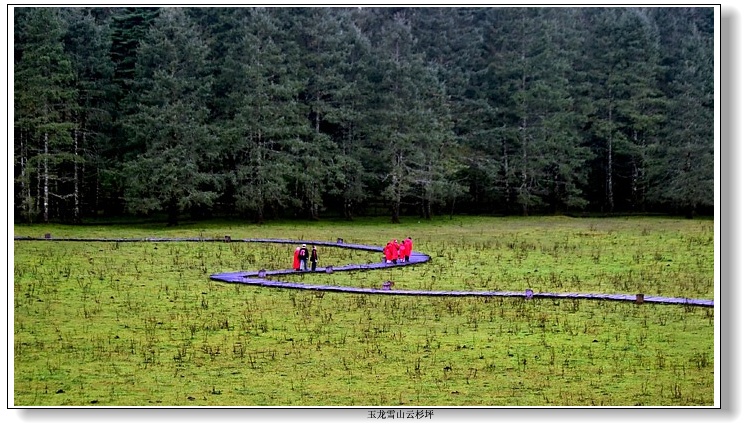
(140, 324)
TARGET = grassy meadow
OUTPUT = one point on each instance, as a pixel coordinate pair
(141, 324)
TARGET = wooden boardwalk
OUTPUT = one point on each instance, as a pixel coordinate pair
(264, 277)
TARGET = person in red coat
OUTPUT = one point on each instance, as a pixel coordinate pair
(388, 251)
(409, 246)
(402, 252)
(394, 246)
(296, 258)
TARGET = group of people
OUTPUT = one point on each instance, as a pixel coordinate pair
(305, 260)
(303, 257)
(398, 252)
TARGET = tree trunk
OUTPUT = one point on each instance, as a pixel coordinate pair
(452, 207)
(25, 188)
(260, 149)
(397, 195)
(610, 163)
(348, 213)
(45, 199)
(395, 216)
(348, 204)
(524, 185)
(636, 172)
(506, 164)
(172, 213)
(557, 198)
(524, 189)
(314, 211)
(690, 211)
(524, 173)
(38, 198)
(317, 114)
(691, 206)
(76, 202)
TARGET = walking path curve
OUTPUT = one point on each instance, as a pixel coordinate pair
(263, 277)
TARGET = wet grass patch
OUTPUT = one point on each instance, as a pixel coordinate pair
(140, 324)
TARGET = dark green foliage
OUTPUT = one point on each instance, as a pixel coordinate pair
(130, 26)
(625, 103)
(88, 42)
(682, 159)
(175, 172)
(304, 112)
(267, 127)
(45, 112)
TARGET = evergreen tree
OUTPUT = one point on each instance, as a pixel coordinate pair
(621, 70)
(222, 29)
(450, 39)
(266, 131)
(553, 156)
(298, 111)
(45, 110)
(349, 120)
(489, 121)
(173, 173)
(88, 41)
(130, 26)
(411, 119)
(317, 57)
(682, 160)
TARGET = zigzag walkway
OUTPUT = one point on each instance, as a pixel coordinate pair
(262, 277)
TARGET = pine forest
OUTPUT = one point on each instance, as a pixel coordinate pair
(309, 112)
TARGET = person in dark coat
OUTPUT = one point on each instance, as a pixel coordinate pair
(313, 258)
(303, 257)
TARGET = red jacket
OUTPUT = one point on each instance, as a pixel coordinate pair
(394, 247)
(296, 259)
(409, 246)
(388, 251)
